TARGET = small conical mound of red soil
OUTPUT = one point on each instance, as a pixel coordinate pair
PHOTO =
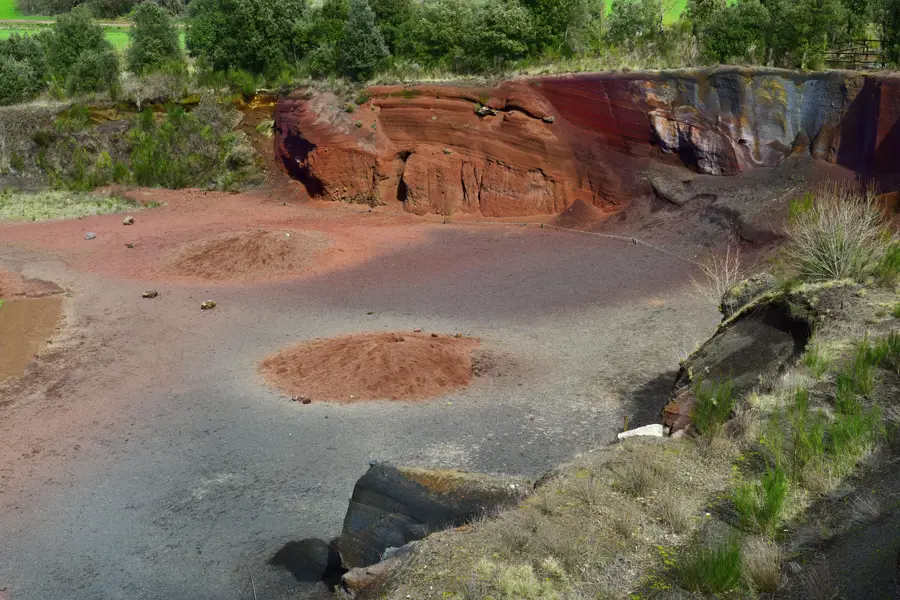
(377, 366)
(247, 255)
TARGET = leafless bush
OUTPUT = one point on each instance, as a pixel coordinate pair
(721, 270)
(587, 488)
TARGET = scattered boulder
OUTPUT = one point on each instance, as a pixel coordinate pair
(128, 221)
(90, 235)
(749, 350)
(308, 560)
(359, 579)
(393, 505)
(548, 119)
(746, 291)
(484, 111)
(653, 430)
(208, 305)
(150, 294)
(129, 245)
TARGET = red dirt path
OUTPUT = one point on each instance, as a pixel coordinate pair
(329, 236)
(377, 366)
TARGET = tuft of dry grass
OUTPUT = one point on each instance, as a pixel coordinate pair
(866, 508)
(762, 564)
(674, 510)
(636, 477)
(818, 583)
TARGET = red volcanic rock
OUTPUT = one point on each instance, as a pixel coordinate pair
(535, 146)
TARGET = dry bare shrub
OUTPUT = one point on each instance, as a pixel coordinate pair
(837, 231)
(674, 510)
(721, 270)
(546, 503)
(743, 426)
(818, 583)
(762, 564)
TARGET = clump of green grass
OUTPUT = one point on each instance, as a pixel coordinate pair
(838, 232)
(887, 270)
(817, 359)
(711, 570)
(760, 504)
(896, 311)
(362, 98)
(715, 402)
(58, 204)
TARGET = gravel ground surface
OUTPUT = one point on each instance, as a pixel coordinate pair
(143, 455)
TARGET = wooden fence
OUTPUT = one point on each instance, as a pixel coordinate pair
(860, 55)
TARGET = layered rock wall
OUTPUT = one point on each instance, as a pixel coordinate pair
(535, 146)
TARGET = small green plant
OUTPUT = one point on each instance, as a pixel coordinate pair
(714, 404)
(760, 504)
(711, 570)
(851, 437)
(362, 97)
(896, 311)
(808, 433)
(886, 352)
(349, 107)
(817, 359)
(887, 270)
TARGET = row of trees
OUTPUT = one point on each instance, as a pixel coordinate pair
(357, 37)
(74, 57)
(279, 39)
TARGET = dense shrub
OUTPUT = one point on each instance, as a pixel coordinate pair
(254, 35)
(23, 69)
(736, 33)
(390, 16)
(79, 57)
(188, 149)
(498, 33)
(154, 39)
(837, 232)
(632, 22)
(362, 49)
(565, 26)
(434, 34)
(94, 71)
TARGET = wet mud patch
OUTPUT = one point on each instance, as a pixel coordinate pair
(377, 366)
(25, 326)
(247, 255)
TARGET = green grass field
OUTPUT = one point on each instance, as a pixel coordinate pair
(117, 37)
(9, 10)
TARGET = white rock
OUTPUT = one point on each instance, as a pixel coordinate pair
(654, 430)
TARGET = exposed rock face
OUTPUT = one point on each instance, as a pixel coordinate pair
(391, 506)
(535, 146)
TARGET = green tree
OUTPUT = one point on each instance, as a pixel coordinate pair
(23, 68)
(566, 26)
(154, 39)
(801, 31)
(434, 33)
(78, 55)
(634, 21)
(701, 12)
(736, 33)
(318, 36)
(94, 71)
(362, 49)
(253, 35)
(887, 19)
(498, 32)
(390, 16)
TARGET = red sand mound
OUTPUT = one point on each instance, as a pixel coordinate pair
(377, 366)
(247, 255)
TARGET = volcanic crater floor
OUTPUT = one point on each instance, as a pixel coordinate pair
(153, 450)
